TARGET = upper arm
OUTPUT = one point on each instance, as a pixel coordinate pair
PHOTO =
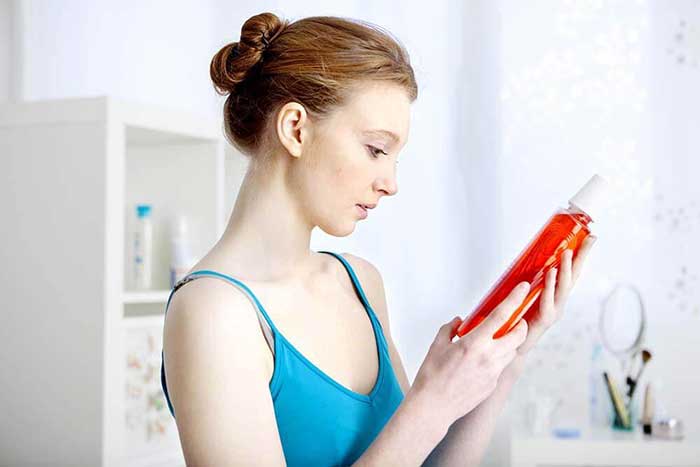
(215, 368)
(373, 285)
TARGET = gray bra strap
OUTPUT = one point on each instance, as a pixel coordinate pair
(269, 336)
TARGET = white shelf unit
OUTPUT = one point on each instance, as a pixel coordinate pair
(72, 171)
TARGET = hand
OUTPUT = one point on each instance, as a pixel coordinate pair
(457, 376)
(554, 295)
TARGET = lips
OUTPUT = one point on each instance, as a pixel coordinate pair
(362, 211)
(363, 208)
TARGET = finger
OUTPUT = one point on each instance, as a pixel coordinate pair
(513, 338)
(446, 331)
(564, 277)
(500, 315)
(581, 257)
(547, 299)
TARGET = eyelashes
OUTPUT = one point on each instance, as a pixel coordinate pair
(374, 151)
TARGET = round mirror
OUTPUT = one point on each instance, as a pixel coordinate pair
(623, 322)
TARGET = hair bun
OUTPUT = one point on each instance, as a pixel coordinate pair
(232, 64)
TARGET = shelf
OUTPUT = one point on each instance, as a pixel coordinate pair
(146, 296)
(143, 124)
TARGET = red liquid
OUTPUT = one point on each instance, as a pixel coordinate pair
(566, 229)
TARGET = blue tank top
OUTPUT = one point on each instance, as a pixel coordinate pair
(320, 421)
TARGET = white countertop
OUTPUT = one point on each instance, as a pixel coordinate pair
(604, 447)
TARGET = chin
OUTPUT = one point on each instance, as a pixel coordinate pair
(338, 229)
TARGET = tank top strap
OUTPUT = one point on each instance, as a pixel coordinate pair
(361, 294)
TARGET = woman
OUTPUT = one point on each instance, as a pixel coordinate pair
(280, 354)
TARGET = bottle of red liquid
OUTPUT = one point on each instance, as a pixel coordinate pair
(566, 229)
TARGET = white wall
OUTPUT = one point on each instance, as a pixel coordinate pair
(675, 119)
(147, 52)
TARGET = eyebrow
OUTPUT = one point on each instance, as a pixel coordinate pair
(393, 136)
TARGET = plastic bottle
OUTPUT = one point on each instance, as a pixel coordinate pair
(180, 253)
(566, 229)
(142, 247)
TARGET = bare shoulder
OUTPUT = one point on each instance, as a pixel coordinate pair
(372, 284)
(212, 310)
(210, 300)
(214, 356)
(369, 275)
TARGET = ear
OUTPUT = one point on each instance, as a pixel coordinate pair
(292, 127)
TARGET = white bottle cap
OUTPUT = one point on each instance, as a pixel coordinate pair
(593, 197)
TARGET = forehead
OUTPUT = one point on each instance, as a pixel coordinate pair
(378, 106)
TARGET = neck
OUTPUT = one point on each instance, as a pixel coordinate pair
(267, 233)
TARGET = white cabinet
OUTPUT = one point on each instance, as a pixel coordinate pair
(74, 336)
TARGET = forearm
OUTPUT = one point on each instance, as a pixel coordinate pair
(408, 437)
(468, 437)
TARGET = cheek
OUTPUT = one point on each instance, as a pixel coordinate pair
(348, 173)
(334, 177)
(340, 177)
(347, 183)
(326, 188)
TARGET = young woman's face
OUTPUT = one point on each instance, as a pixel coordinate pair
(351, 161)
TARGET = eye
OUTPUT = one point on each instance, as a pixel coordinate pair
(374, 151)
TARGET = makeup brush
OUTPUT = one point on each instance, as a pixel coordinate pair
(618, 405)
(646, 356)
(648, 414)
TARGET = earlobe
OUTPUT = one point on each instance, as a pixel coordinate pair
(291, 127)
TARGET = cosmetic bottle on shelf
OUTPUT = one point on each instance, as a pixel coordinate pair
(142, 238)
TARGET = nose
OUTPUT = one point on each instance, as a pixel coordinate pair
(387, 183)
